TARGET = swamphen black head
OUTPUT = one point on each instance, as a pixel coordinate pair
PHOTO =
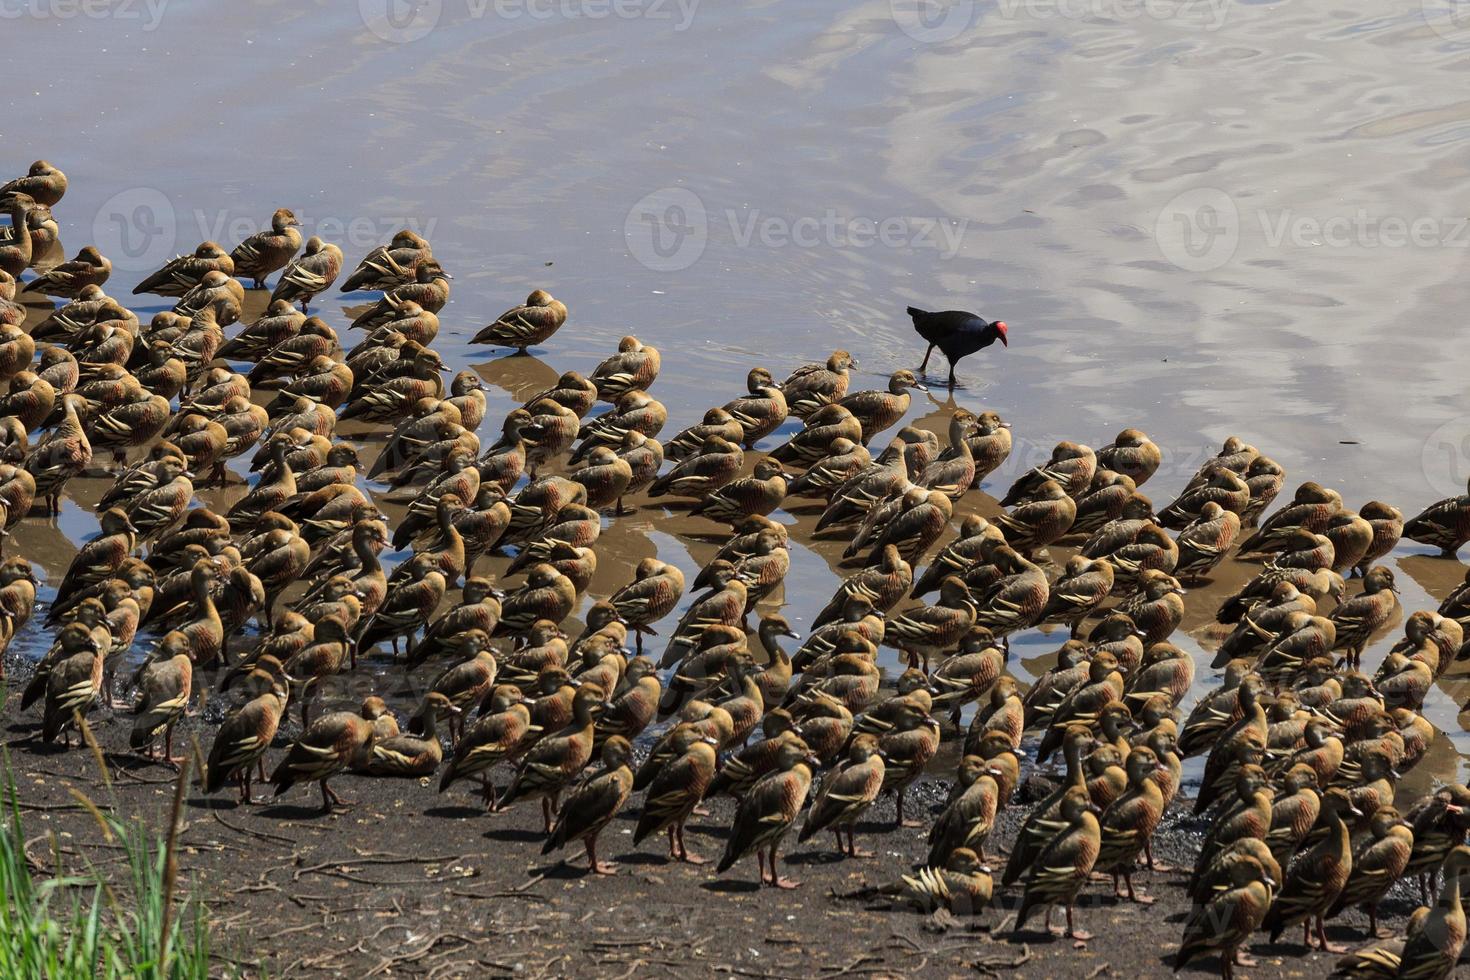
(958, 333)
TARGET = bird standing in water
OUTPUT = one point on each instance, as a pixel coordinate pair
(957, 333)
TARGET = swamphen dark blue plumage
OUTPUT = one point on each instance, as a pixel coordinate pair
(957, 333)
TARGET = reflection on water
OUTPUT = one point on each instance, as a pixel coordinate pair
(1196, 222)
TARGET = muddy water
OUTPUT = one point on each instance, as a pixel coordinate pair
(1198, 218)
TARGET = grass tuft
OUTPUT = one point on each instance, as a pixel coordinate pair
(56, 927)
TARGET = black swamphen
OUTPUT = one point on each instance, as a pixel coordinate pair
(957, 333)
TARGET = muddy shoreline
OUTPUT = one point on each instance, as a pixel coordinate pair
(407, 882)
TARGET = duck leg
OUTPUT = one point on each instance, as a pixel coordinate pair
(852, 848)
(598, 867)
(1132, 896)
(777, 881)
(546, 814)
(685, 854)
(329, 794)
(1073, 932)
(168, 748)
(1322, 938)
(927, 354)
(901, 821)
(1159, 866)
(951, 376)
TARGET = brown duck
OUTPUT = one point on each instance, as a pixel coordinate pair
(847, 793)
(594, 803)
(1225, 920)
(89, 268)
(761, 411)
(390, 265)
(266, 251)
(768, 811)
(413, 756)
(677, 788)
(876, 411)
(1064, 864)
(634, 367)
(557, 759)
(529, 325)
(1317, 878)
(332, 744)
(813, 386)
(1072, 465)
(166, 686)
(241, 742)
(310, 273)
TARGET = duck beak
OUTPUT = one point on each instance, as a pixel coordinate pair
(917, 386)
(710, 740)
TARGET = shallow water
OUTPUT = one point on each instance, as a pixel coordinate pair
(1197, 218)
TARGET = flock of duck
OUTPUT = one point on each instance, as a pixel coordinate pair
(1303, 748)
